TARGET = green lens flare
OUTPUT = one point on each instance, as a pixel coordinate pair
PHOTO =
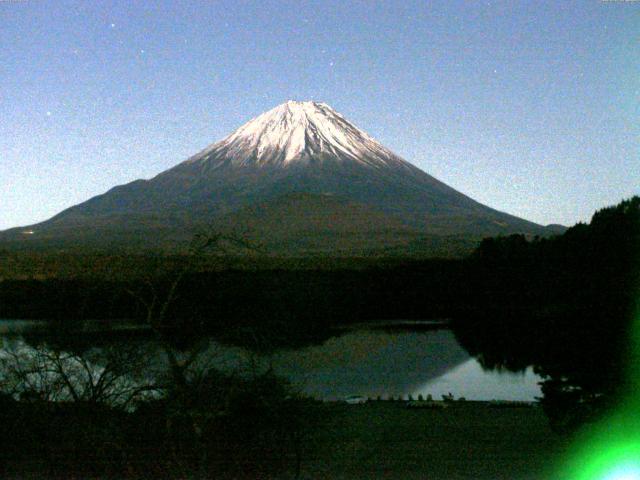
(629, 471)
(611, 449)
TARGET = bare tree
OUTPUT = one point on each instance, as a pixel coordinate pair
(187, 371)
(157, 301)
(113, 376)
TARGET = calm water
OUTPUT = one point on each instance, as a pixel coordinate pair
(378, 363)
(366, 362)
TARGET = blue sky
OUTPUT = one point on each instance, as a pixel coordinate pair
(528, 107)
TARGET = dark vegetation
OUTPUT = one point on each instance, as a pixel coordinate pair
(217, 427)
(228, 302)
(565, 305)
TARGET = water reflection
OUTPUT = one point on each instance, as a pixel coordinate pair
(371, 363)
(469, 380)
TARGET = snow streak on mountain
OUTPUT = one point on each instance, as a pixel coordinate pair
(295, 132)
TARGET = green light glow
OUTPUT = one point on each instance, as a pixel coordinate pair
(629, 471)
(611, 449)
(610, 454)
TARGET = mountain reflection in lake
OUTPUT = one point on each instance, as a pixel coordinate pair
(371, 363)
(377, 363)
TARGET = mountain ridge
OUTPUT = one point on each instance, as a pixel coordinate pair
(296, 147)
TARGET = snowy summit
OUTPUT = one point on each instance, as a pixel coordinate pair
(296, 132)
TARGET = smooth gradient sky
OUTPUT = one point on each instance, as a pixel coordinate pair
(529, 107)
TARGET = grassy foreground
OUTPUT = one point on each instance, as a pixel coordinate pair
(471, 440)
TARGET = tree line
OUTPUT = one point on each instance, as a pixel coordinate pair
(566, 305)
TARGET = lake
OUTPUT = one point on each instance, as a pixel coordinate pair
(365, 361)
(376, 363)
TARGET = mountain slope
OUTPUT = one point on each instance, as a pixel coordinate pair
(297, 147)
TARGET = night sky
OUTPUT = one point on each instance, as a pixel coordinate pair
(529, 107)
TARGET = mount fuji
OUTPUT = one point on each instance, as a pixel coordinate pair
(300, 178)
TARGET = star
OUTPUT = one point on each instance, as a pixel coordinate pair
(48, 114)
(141, 51)
(113, 25)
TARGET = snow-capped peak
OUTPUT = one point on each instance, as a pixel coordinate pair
(295, 132)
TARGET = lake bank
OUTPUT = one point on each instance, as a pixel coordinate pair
(467, 440)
